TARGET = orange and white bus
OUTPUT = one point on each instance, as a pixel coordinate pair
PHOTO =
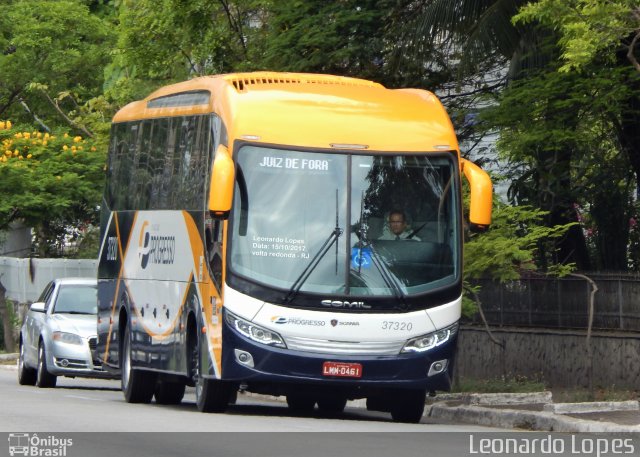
(246, 243)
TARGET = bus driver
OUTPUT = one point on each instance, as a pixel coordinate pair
(398, 228)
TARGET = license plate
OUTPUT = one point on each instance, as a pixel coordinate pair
(342, 369)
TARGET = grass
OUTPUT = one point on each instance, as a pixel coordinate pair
(578, 395)
(521, 384)
(511, 384)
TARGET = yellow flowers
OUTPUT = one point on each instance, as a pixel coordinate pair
(28, 148)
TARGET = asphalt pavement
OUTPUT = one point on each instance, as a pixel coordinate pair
(523, 411)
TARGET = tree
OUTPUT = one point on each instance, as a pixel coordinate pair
(588, 28)
(512, 245)
(165, 41)
(53, 182)
(47, 48)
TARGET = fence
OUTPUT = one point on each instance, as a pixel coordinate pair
(563, 302)
(16, 274)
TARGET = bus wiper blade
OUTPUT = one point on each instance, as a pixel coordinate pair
(295, 288)
(387, 276)
(333, 238)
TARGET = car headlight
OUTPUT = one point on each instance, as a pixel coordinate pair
(431, 340)
(255, 332)
(69, 338)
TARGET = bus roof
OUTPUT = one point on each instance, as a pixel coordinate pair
(307, 110)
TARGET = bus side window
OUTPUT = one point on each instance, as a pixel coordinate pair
(213, 240)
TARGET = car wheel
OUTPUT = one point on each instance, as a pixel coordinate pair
(301, 403)
(169, 393)
(408, 406)
(137, 385)
(332, 405)
(26, 375)
(43, 377)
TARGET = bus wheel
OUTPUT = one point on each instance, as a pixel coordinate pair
(408, 406)
(137, 385)
(169, 393)
(300, 403)
(332, 405)
(212, 395)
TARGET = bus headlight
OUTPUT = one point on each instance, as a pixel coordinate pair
(431, 340)
(253, 331)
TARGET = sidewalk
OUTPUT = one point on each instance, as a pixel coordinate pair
(526, 411)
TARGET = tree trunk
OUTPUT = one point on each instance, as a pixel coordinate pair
(7, 324)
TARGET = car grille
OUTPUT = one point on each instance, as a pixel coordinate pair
(93, 343)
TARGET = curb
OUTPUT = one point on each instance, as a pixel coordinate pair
(592, 407)
(527, 420)
(8, 357)
(525, 398)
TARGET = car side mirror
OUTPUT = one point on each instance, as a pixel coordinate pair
(37, 307)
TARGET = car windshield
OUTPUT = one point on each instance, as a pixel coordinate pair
(345, 224)
(76, 299)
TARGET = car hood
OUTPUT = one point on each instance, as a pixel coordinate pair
(84, 325)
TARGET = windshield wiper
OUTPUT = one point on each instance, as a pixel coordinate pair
(387, 276)
(333, 238)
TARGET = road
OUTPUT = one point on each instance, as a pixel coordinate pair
(89, 405)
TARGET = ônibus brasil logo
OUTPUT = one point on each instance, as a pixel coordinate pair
(32, 445)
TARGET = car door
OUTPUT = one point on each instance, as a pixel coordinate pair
(35, 322)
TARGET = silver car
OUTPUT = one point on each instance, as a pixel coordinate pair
(59, 334)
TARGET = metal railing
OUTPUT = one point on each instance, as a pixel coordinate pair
(563, 302)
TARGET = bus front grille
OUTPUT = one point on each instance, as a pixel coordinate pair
(345, 347)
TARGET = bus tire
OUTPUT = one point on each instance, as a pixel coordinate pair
(301, 403)
(212, 395)
(169, 393)
(137, 385)
(408, 406)
(43, 377)
(332, 405)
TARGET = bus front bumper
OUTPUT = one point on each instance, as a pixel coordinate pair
(244, 360)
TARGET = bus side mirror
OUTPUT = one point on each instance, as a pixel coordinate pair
(221, 185)
(481, 196)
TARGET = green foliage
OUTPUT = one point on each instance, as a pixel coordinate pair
(510, 384)
(52, 182)
(164, 41)
(88, 244)
(14, 318)
(587, 27)
(510, 246)
(59, 45)
(346, 37)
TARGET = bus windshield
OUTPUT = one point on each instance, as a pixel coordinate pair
(345, 224)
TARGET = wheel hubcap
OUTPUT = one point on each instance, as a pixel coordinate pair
(127, 365)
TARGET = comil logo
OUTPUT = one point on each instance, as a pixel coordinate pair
(40, 446)
(155, 249)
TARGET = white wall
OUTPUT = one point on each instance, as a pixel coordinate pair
(16, 241)
(16, 278)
